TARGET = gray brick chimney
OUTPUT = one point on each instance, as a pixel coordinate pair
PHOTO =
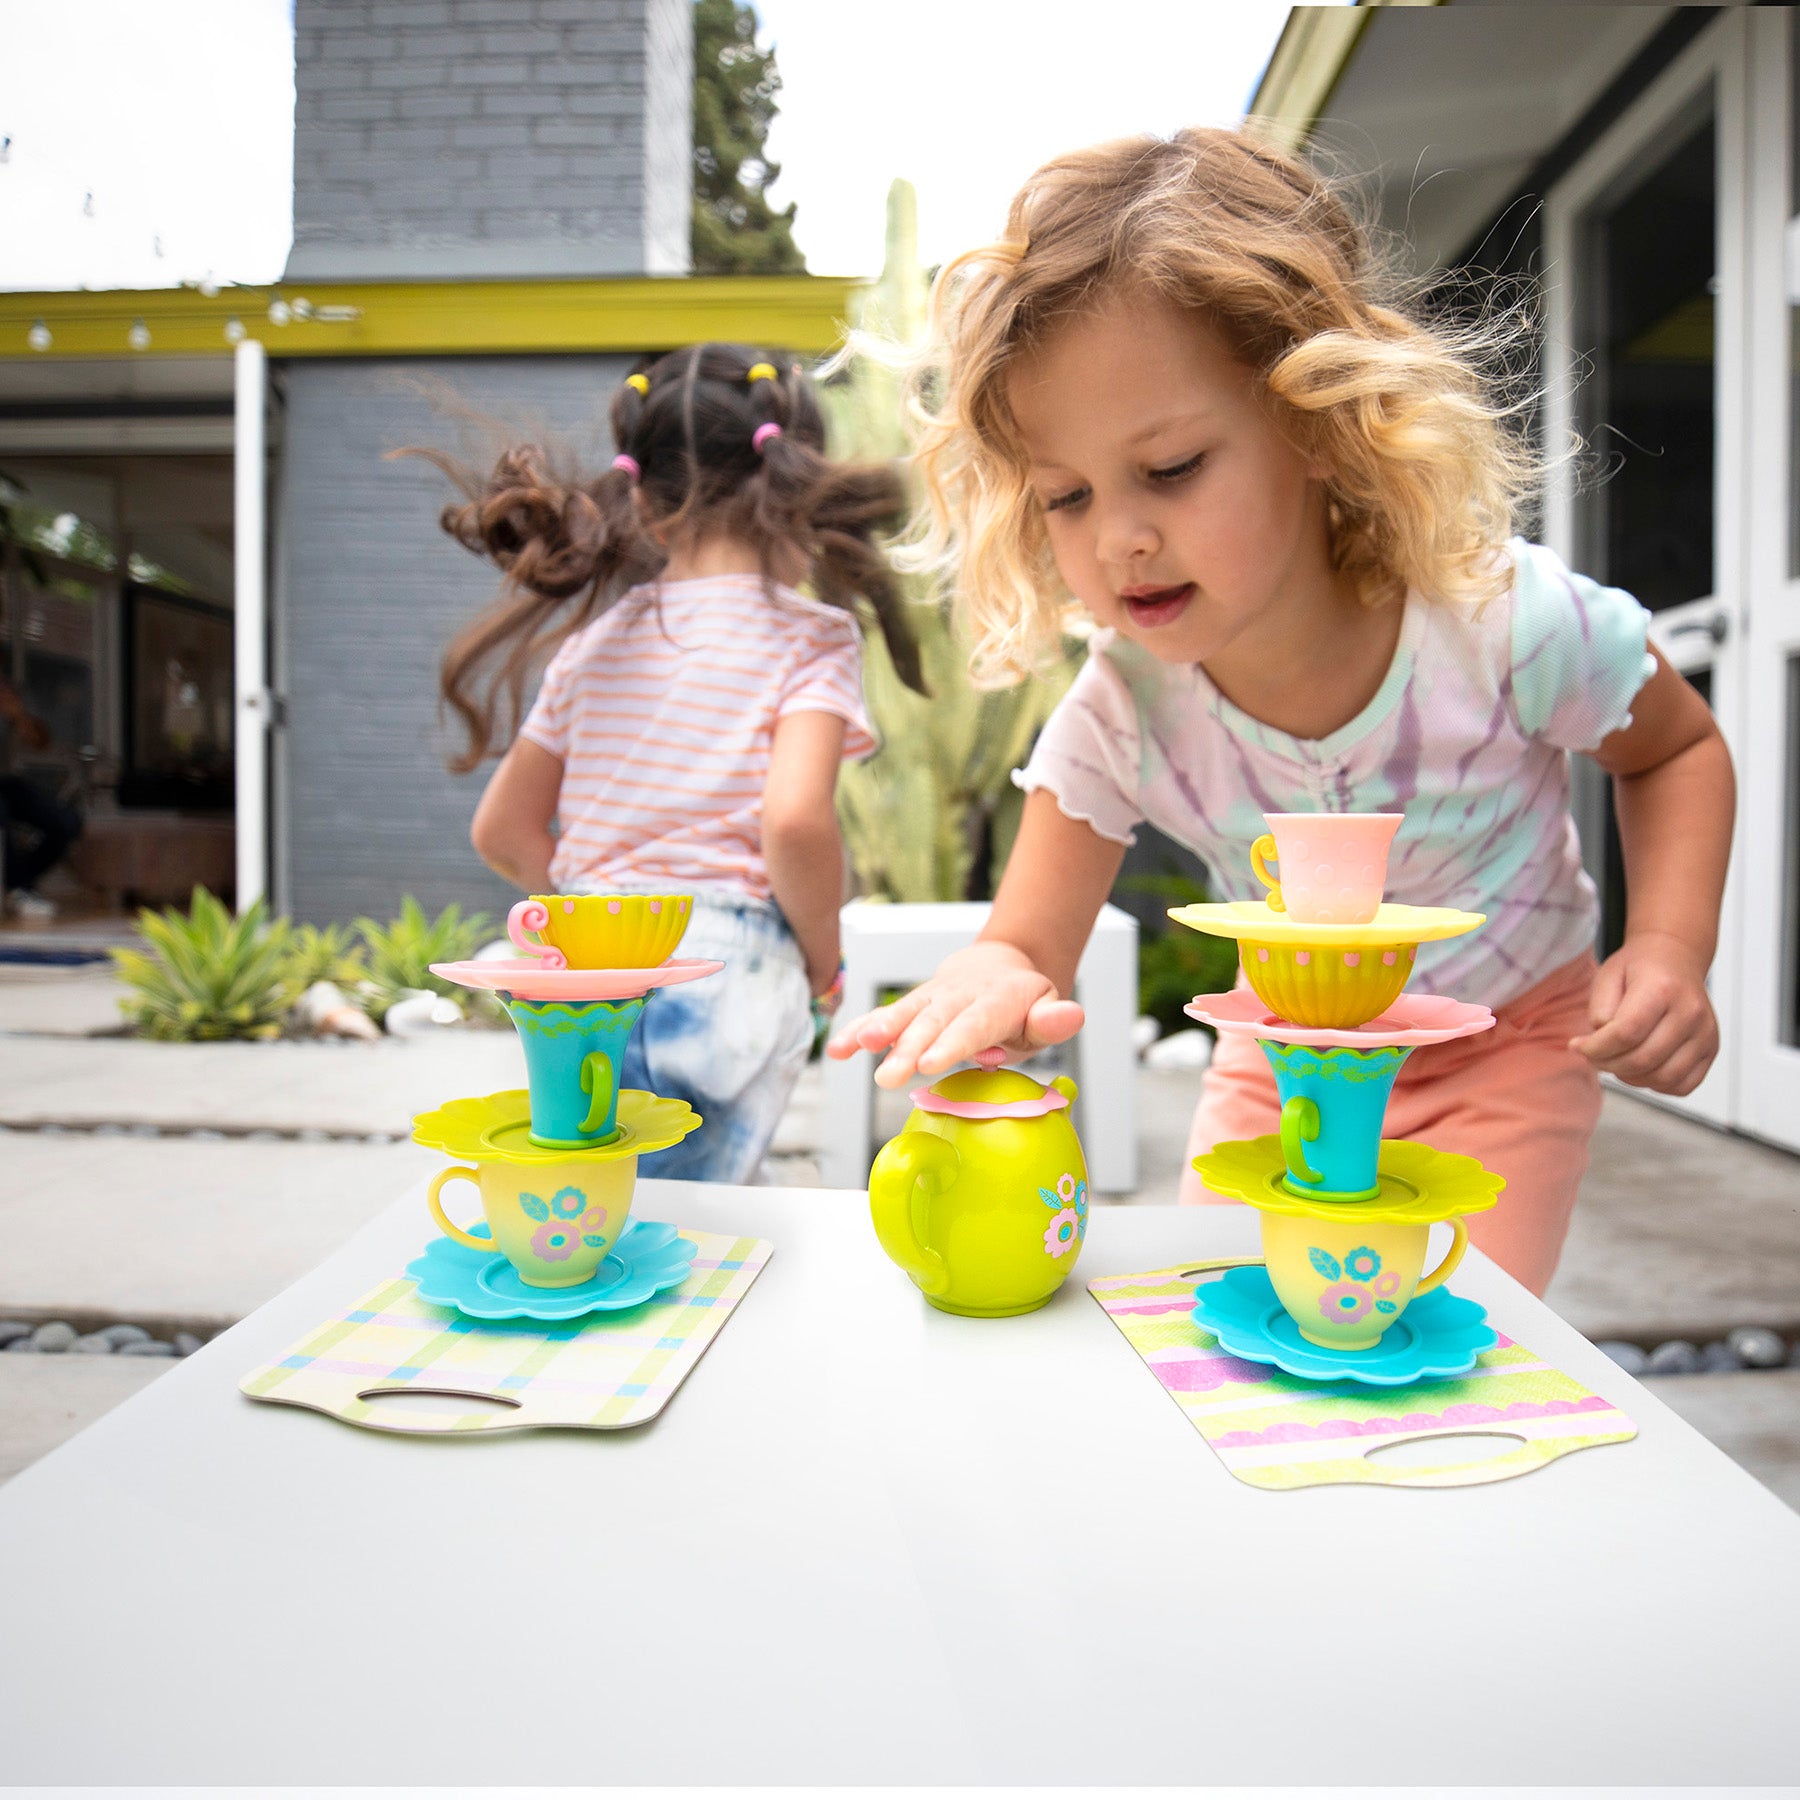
(447, 138)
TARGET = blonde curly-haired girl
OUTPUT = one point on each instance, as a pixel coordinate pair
(1172, 396)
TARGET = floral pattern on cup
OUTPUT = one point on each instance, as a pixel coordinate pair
(1349, 1297)
(555, 1239)
(1069, 1227)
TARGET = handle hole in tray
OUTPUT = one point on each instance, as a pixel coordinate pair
(1453, 1450)
(439, 1400)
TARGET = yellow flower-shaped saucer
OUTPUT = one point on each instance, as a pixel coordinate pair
(1417, 1184)
(1259, 923)
(497, 1128)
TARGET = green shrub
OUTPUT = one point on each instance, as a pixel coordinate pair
(400, 954)
(207, 975)
(325, 953)
(1177, 963)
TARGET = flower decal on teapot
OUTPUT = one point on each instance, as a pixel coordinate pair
(1069, 1227)
(1348, 1296)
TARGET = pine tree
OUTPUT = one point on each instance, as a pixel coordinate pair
(735, 230)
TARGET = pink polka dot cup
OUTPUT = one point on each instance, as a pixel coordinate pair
(1332, 867)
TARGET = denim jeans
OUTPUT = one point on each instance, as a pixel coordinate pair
(731, 1045)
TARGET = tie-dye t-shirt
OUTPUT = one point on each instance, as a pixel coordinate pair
(1469, 736)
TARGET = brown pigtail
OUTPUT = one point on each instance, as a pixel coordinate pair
(685, 426)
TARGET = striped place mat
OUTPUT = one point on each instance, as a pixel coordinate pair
(598, 1373)
(1274, 1430)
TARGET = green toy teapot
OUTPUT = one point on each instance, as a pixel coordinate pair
(983, 1198)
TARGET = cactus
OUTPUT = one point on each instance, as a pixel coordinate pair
(914, 815)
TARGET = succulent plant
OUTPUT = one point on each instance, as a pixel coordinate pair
(207, 975)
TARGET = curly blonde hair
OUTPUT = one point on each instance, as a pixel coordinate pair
(1426, 468)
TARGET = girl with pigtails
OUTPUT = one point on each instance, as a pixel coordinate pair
(1174, 397)
(688, 730)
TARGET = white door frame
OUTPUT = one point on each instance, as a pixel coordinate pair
(1769, 1104)
(250, 750)
(1718, 58)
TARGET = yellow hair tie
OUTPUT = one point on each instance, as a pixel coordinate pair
(640, 382)
(762, 372)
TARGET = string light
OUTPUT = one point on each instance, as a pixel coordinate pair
(138, 337)
(38, 337)
(234, 330)
(280, 313)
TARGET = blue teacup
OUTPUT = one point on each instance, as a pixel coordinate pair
(573, 1053)
(1332, 1106)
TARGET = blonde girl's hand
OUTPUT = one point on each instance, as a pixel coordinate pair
(1653, 1022)
(986, 997)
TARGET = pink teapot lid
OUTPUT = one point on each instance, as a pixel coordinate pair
(990, 1094)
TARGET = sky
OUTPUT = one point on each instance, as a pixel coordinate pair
(151, 140)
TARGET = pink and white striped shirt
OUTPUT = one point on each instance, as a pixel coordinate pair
(663, 714)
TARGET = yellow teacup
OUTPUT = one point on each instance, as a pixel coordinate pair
(600, 931)
(553, 1221)
(1344, 1283)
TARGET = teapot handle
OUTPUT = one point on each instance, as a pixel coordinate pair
(915, 1162)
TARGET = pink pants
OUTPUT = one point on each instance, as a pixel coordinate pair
(1517, 1098)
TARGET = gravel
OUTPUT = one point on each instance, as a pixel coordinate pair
(1758, 1346)
(56, 1337)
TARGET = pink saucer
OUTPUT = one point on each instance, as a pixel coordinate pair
(1412, 1019)
(531, 981)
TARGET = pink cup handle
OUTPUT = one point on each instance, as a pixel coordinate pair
(533, 915)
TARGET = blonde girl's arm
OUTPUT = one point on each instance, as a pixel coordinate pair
(801, 845)
(1009, 989)
(1675, 793)
(511, 829)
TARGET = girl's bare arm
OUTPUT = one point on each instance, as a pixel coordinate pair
(801, 845)
(1675, 794)
(1009, 988)
(511, 829)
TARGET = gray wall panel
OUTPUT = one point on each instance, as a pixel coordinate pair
(368, 593)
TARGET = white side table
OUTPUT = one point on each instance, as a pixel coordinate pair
(900, 945)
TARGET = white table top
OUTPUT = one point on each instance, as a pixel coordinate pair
(933, 1550)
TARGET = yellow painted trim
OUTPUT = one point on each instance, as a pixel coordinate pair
(1309, 60)
(450, 318)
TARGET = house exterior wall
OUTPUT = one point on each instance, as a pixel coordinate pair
(368, 591)
(445, 138)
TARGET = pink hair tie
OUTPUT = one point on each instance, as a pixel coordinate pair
(762, 434)
(628, 464)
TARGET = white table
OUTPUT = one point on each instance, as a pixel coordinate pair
(901, 945)
(925, 1550)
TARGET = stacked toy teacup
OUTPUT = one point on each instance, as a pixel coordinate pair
(1346, 1213)
(555, 1163)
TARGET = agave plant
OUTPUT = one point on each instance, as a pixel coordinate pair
(401, 953)
(325, 953)
(917, 812)
(208, 975)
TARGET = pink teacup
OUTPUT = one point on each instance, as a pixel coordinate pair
(1333, 866)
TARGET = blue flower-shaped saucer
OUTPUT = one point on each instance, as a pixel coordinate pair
(648, 1258)
(1438, 1335)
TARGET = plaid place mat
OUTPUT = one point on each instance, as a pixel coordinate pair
(1274, 1430)
(598, 1373)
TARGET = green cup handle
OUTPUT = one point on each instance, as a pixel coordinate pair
(1442, 1273)
(914, 1163)
(1299, 1127)
(598, 1081)
(445, 1223)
